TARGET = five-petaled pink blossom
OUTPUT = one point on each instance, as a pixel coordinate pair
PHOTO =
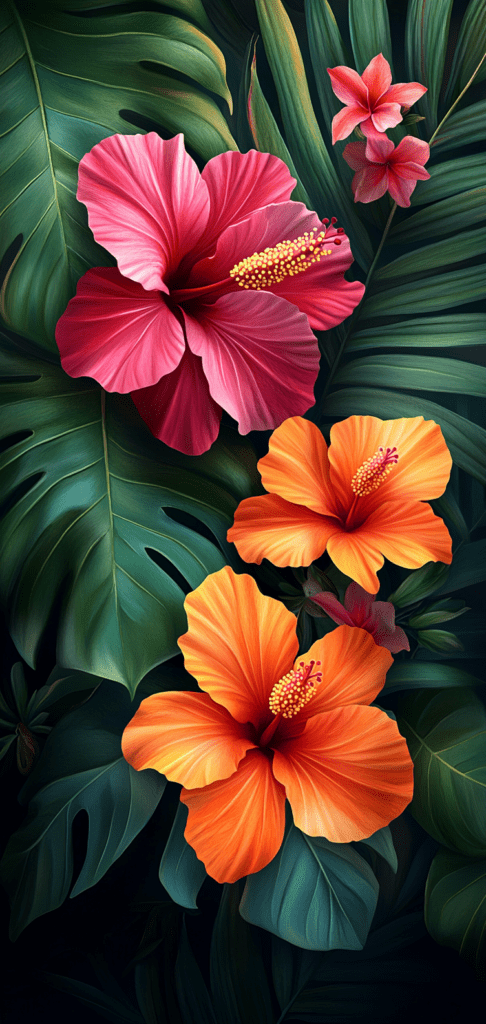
(360, 609)
(371, 100)
(382, 167)
(220, 279)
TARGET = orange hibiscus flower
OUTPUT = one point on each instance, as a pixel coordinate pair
(362, 499)
(268, 727)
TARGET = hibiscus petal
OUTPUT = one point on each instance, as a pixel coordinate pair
(117, 332)
(370, 184)
(410, 534)
(386, 115)
(286, 534)
(348, 86)
(423, 467)
(377, 77)
(332, 607)
(147, 203)
(359, 602)
(353, 670)
(347, 775)
(346, 120)
(179, 409)
(239, 184)
(239, 643)
(400, 189)
(237, 826)
(185, 736)
(357, 554)
(259, 355)
(384, 630)
(297, 467)
(405, 93)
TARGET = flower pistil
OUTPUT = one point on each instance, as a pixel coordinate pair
(372, 473)
(285, 259)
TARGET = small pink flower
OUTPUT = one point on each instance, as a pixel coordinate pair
(371, 100)
(359, 609)
(380, 167)
(220, 280)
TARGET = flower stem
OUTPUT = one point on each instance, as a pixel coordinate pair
(386, 229)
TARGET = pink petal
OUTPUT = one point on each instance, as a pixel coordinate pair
(179, 409)
(369, 184)
(399, 188)
(332, 607)
(405, 93)
(377, 77)
(147, 203)
(259, 355)
(411, 150)
(386, 115)
(410, 171)
(378, 149)
(355, 155)
(348, 86)
(264, 228)
(238, 185)
(117, 332)
(383, 629)
(359, 603)
(321, 291)
(346, 120)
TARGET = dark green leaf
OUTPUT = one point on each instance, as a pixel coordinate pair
(447, 217)
(433, 618)
(291, 969)
(434, 331)
(449, 178)
(427, 31)
(314, 894)
(468, 567)
(415, 675)
(236, 957)
(75, 774)
(466, 245)
(381, 842)
(417, 373)
(447, 508)
(65, 81)
(445, 734)
(470, 47)
(419, 584)
(194, 1002)
(180, 872)
(304, 139)
(467, 284)
(266, 134)
(455, 905)
(464, 127)
(95, 485)
(439, 640)
(466, 440)
(369, 28)
(99, 1002)
(327, 50)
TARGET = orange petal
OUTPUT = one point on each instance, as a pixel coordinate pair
(410, 534)
(353, 670)
(239, 643)
(347, 775)
(297, 466)
(423, 467)
(185, 736)
(286, 534)
(236, 826)
(357, 554)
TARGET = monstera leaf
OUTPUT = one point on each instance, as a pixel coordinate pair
(100, 526)
(72, 75)
(431, 271)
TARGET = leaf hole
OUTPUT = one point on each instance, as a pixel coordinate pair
(171, 570)
(184, 518)
(19, 492)
(9, 257)
(12, 439)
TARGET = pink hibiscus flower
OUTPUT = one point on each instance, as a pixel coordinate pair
(360, 609)
(220, 279)
(371, 100)
(381, 167)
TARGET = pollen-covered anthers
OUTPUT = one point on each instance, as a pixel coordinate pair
(373, 472)
(285, 259)
(294, 690)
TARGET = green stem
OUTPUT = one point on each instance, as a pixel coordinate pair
(386, 229)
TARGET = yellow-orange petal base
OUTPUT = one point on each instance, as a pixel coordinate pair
(343, 766)
(363, 498)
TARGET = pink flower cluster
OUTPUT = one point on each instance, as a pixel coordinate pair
(374, 104)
